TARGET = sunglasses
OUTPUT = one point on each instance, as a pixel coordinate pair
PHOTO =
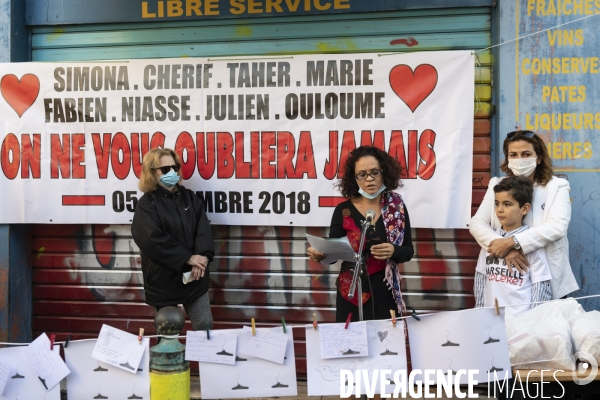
(517, 134)
(167, 168)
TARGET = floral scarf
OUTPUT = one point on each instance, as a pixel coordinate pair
(392, 212)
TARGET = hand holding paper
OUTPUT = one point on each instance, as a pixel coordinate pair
(187, 277)
(334, 249)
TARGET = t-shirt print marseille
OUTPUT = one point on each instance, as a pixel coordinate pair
(512, 288)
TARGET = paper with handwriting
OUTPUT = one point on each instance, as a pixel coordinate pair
(92, 379)
(47, 364)
(118, 348)
(387, 351)
(5, 373)
(267, 344)
(23, 382)
(221, 348)
(250, 376)
(337, 341)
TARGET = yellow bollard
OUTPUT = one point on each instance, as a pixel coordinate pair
(169, 372)
(169, 385)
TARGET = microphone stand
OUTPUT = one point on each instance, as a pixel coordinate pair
(358, 267)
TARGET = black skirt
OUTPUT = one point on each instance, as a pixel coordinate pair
(381, 301)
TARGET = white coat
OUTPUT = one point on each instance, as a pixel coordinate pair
(551, 234)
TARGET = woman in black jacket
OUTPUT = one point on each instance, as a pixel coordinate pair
(173, 234)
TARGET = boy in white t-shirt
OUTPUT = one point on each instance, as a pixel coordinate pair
(493, 278)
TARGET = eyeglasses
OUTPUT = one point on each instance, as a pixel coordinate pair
(527, 134)
(167, 168)
(376, 173)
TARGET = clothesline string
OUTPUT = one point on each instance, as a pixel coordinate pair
(307, 325)
(512, 40)
(538, 32)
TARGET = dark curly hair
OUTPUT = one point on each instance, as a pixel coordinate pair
(389, 166)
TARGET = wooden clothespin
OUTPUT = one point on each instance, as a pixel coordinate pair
(253, 327)
(414, 315)
(315, 321)
(207, 334)
(348, 320)
(393, 314)
(141, 335)
(67, 340)
(283, 324)
(496, 306)
(52, 339)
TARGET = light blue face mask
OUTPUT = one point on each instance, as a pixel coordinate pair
(371, 196)
(169, 179)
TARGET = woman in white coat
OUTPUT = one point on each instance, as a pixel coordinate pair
(525, 155)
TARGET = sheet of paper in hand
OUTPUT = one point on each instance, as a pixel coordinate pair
(220, 349)
(118, 348)
(187, 278)
(23, 382)
(267, 344)
(93, 379)
(250, 376)
(335, 249)
(472, 339)
(387, 351)
(47, 364)
(5, 374)
(339, 342)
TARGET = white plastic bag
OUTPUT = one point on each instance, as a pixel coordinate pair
(585, 329)
(540, 338)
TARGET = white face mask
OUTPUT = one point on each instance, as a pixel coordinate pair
(371, 196)
(522, 166)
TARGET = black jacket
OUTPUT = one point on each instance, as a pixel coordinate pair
(170, 227)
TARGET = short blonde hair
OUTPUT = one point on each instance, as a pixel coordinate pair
(148, 181)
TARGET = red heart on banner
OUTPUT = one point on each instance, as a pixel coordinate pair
(20, 94)
(413, 87)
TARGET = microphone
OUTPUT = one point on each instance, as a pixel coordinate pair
(370, 216)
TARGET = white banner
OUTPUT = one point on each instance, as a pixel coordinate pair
(262, 140)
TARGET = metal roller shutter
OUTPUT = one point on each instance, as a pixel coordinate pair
(87, 275)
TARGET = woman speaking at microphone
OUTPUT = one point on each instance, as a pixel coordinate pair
(370, 178)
